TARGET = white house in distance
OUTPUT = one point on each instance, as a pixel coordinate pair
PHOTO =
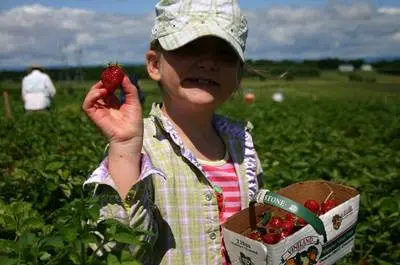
(346, 68)
(366, 67)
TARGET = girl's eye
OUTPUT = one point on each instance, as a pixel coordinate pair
(228, 53)
(188, 49)
(224, 52)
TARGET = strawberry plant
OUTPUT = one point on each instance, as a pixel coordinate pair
(325, 128)
(74, 237)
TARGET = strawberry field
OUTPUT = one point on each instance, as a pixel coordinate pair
(325, 128)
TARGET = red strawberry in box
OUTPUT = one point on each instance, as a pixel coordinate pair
(313, 206)
(328, 205)
(310, 221)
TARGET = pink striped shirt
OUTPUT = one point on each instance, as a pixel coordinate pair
(222, 174)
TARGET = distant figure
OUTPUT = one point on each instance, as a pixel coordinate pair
(135, 81)
(37, 89)
(278, 97)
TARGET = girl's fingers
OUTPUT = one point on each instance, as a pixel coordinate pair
(98, 85)
(92, 97)
(112, 101)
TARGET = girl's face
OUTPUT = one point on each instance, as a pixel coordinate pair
(204, 73)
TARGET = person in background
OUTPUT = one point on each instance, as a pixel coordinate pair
(37, 89)
(135, 81)
(184, 170)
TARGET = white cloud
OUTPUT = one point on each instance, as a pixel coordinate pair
(290, 14)
(355, 11)
(346, 31)
(40, 34)
(6, 42)
(282, 35)
(34, 10)
(389, 10)
(396, 36)
(84, 38)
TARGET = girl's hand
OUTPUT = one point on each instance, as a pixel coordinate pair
(120, 123)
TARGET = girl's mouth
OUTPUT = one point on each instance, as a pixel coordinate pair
(201, 81)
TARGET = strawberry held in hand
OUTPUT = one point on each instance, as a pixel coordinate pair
(112, 77)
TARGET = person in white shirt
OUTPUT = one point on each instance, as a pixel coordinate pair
(37, 89)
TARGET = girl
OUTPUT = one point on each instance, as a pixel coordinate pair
(183, 170)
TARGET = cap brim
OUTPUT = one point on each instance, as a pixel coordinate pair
(192, 32)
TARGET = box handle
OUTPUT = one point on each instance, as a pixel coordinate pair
(267, 197)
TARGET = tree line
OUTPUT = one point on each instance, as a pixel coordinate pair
(262, 68)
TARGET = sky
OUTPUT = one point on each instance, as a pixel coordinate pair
(93, 32)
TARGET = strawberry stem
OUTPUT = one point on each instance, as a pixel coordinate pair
(327, 198)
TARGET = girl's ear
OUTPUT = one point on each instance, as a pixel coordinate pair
(153, 65)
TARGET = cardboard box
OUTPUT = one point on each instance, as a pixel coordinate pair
(305, 246)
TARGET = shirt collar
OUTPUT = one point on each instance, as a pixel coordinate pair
(224, 126)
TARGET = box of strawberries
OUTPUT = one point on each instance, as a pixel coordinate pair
(305, 223)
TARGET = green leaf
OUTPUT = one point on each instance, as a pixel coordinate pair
(28, 239)
(89, 238)
(9, 222)
(54, 166)
(387, 205)
(126, 238)
(8, 246)
(94, 212)
(54, 241)
(51, 186)
(112, 260)
(74, 258)
(45, 256)
(110, 232)
(7, 261)
(134, 262)
(266, 216)
(70, 234)
(300, 164)
(32, 223)
(66, 190)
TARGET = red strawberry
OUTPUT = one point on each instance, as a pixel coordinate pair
(312, 205)
(301, 222)
(254, 235)
(288, 226)
(283, 235)
(328, 205)
(270, 238)
(290, 217)
(275, 222)
(112, 77)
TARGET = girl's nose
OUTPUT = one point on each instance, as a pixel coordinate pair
(208, 62)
